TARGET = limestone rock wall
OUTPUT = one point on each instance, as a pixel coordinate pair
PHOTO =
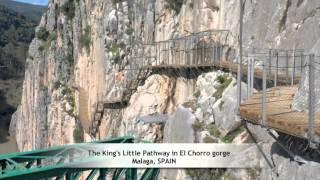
(80, 46)
(86, 44)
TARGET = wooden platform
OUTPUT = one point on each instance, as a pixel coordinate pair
(280, 116)
(231, 67)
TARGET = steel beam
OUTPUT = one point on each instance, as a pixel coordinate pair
(131, 174)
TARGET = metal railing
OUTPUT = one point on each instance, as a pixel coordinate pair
(205, 48)
(268, 74)
(282, 67)
(62, 162)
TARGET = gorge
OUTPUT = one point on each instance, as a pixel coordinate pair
(82, 52)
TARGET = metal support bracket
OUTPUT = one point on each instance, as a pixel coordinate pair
(271, 165)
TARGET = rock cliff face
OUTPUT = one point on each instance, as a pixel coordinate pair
(87, 42)
(73, 61)
(83, 45)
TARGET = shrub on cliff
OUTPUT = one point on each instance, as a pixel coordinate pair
(45, 36)
(174, 5)
(68, 9)
(42, 33)
(85, 39)
(78, 133)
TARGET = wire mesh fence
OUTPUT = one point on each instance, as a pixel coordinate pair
(281, 68)
(206, 48)
(272, 77)
(314, 120)
(199, 49)
(281, 91)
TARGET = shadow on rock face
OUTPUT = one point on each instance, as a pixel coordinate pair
(298, 147)
(277, 149)
(6, 112)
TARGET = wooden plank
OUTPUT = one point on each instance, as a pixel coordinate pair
(280, 116)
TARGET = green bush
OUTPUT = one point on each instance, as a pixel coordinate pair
(85, 39)
(213, 130)
(66, 91)
(222, 78)
(72, 103)
(67, 94)
(56, 84)
(224, 83)
(174, 5)
(197, 125)
(115, 49)
(68, 9)
(78, 133)
(50, 38)
(228, 138)
(68, 59)
(42, 33)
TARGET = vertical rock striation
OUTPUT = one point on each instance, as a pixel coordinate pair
(82, 46)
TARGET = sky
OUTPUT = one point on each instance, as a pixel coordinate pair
(38, 2)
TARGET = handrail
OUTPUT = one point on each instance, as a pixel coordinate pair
(59, 162)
